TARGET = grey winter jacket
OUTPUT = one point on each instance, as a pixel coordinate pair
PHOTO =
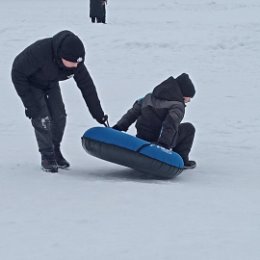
(157, 115)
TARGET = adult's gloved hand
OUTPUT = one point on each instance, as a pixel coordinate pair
(32, 112)
(104, 120)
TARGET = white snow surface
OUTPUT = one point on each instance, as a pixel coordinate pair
(99, 210)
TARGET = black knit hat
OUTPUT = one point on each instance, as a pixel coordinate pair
(186, 85)
(72, 49)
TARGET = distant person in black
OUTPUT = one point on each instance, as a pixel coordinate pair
(98, 11)
(158, 117)
(36, 73)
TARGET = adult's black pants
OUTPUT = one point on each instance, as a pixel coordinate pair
(49, 127)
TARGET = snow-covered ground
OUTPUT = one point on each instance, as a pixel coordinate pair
(98, 210)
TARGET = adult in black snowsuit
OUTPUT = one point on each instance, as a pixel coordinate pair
(159, 114)
(98, 11)
(36, 73)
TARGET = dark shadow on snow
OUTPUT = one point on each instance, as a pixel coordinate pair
(113, 174)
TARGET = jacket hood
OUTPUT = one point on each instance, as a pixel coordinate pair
(169, 90)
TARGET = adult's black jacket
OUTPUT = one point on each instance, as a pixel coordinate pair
(39, 66)
(97, 8)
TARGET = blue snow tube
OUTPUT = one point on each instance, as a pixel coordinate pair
(127, 150)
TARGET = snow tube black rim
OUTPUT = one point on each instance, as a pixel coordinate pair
(129, 158)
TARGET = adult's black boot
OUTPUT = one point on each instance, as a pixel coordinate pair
(49, 163)
(61, 161)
